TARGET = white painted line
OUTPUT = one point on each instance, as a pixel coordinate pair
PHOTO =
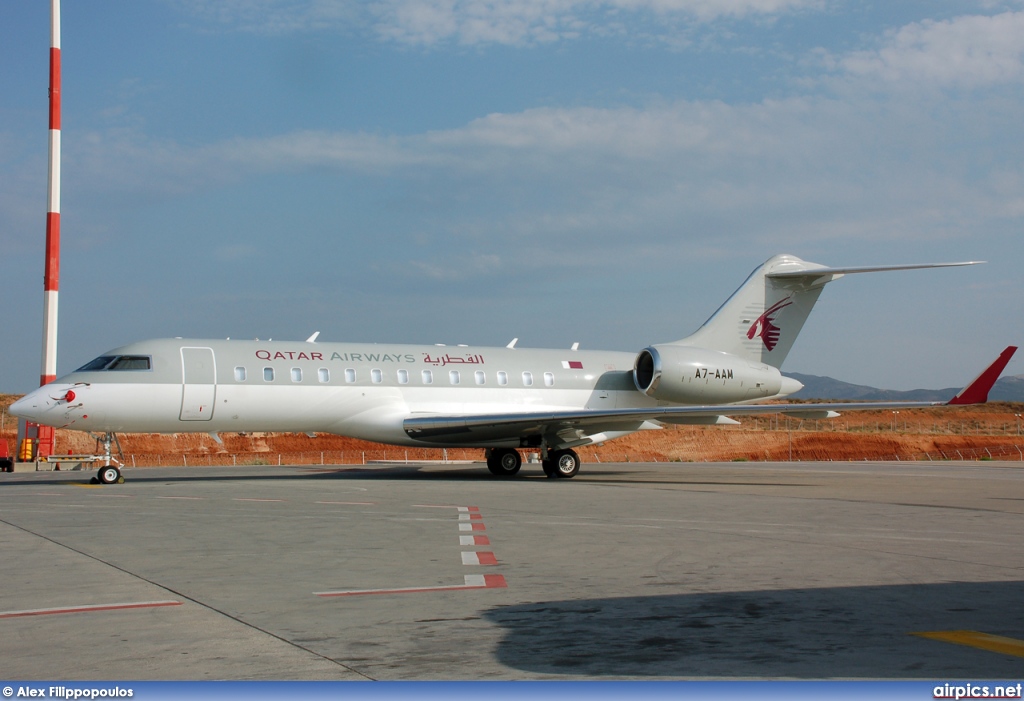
(472, 527)
(473, 581)
(351, 503)
(87, 608)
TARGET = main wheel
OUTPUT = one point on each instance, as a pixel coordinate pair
(504, 462)
(549, 468)
(109, 475)
(566, 462)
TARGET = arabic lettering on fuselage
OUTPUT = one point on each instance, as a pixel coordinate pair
(449, 359)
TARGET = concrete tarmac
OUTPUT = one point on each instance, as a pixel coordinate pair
(628, 571)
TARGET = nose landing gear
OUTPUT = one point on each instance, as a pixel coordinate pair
(110, 472)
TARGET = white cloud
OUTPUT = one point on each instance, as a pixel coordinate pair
(480, 22)
(965, 52)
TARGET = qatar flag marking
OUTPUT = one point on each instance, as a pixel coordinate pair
(572, 365)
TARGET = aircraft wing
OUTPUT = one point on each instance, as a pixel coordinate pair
(572, 427)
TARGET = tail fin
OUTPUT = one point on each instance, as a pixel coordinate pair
(761, 320)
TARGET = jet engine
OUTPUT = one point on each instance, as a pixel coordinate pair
(687, 375)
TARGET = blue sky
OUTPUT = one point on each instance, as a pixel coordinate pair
(469, 171)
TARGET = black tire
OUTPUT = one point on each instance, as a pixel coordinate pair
(109, 475)
(549, 468)
(566, 462)
(504, 462)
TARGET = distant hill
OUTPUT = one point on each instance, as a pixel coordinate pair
(1007, 389)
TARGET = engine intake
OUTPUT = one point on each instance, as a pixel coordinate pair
(686, 375)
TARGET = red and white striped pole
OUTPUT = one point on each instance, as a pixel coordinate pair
(51, 276)
(51, 273)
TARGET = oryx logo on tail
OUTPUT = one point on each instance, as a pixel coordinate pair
(764, 326)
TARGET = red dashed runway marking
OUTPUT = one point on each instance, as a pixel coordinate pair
(472, 527)
(479, 558)
(473, 581)
(88, 608)
(474, 540)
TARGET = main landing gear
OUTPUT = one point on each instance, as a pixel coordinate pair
(506, 462)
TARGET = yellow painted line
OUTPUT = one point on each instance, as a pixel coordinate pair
(983, 641)
(89, 486)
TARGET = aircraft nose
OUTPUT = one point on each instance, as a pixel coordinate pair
(33, 405)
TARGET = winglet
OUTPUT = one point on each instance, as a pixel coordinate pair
(977, 391)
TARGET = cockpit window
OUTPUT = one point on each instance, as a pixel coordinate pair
(99, 364)
(118, 362)
(130, 362)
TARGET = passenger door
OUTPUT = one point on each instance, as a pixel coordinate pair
(199, 384)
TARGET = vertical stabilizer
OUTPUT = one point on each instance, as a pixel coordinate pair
(761, 320)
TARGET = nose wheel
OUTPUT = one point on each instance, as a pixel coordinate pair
(109, 475)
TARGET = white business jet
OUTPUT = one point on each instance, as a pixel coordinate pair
(497, 399)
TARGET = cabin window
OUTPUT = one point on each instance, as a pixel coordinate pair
(376, 376)
(549, 379)
(268, 374)
(403, 377)
(350, 375)
(480, 377)
(502, 377)
(528, 379)
(323, 374)
(453, 376)
(239, 374)
(296, 374)
(428, 377)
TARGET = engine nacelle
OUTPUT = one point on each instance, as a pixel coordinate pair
(687, 375)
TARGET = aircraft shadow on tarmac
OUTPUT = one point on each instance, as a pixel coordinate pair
(854, 632)
(409, 471)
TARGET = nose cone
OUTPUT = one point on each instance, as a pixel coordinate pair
(35, 405)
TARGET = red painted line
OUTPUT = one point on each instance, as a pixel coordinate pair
(350, 503)
(487, 581)
(474, 540)
(487, 558)
(472, 527)
(85, 609)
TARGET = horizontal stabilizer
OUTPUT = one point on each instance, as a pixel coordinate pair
(814, 272)
(977, 391)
